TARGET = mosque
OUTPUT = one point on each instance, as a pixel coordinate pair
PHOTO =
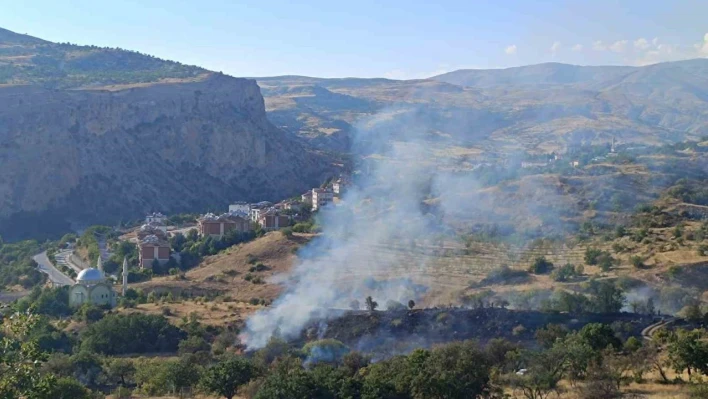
(93, 287)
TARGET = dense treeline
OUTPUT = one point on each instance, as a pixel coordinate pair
(593, 362)
(137, 333)
(17, 265)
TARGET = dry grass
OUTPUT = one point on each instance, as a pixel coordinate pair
(209, 313)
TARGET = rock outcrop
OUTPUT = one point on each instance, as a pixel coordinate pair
(103, 155)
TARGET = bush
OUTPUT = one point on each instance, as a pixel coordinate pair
(636, 261)
(592, 255)
(564, 273)
(540, 266)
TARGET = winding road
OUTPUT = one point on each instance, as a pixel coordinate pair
(46, 267)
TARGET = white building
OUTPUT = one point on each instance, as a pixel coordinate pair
(240, 207)
(155, 217)
(321, 197)
(91, 287)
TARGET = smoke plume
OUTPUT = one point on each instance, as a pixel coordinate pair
(400, 171)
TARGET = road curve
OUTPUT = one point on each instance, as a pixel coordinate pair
(46, 267)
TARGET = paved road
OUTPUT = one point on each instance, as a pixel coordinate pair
(45, 266)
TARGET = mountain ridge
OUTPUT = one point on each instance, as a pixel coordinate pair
(88, 145)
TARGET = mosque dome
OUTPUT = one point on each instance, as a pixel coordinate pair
(90, 275)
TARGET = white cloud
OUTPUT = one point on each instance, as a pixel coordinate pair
(642, 44)
(511, 50)
(577, 48)
(655, 41)
(555, 47)
(619, 46)
(599, 46)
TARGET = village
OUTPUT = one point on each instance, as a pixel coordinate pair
(152, 239)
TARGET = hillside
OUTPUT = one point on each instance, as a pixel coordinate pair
(91, 135)
(538, 108)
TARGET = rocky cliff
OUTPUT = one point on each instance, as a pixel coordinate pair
(102, 155)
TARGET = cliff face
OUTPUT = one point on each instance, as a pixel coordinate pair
(105, 155)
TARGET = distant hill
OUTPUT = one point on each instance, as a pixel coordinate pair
(28, 60)
(537, 108)
(94, 135)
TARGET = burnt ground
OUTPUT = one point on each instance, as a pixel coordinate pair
(391, 332)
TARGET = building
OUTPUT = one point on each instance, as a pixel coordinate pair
(91, 287)
(151, 248)
(218, 226)
(321, 197)
(240, 207)
(156, 224)
(290, 205)
(257, 208)
(339, 186)
(153, 228)
(272, 220)
(156, 217)
(306, 198)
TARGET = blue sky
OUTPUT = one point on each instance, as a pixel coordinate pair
(396, 39)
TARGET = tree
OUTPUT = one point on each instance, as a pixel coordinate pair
(411, 304)
(120, 369)
(21, 360)
(457, 370)
(132, 333)
(288, 380)
(540, 266)
(371, 305)
(552, 333)
(67, 388)
(599, 336)
(607, 298)
(225, 377)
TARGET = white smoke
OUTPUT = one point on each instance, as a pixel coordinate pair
(353, 258)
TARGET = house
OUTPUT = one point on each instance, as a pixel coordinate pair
(240, 207)
(153, 228)
(156, 217)
(339, 186)
(218, 226)
(321, 197)
(271, 219)
(290, 205)
(306, 198)
(257, 208)
(156, 224)
(151, 248)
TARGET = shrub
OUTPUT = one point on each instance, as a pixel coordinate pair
(541, 266)
(637, 261)
(564, 273)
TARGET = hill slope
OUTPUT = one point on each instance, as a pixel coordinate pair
(92, 145)
(539, 108)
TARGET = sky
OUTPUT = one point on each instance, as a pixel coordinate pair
(394, 39)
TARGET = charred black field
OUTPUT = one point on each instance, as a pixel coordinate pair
(390, 332)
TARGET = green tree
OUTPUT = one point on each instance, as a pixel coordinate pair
(21, 360)
(599, 336)
(457, 370)
(120, 369)
(67, 388)
(288, 380)
(225, 377)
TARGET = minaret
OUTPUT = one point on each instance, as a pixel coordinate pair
(125, 275)
(99, 264)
